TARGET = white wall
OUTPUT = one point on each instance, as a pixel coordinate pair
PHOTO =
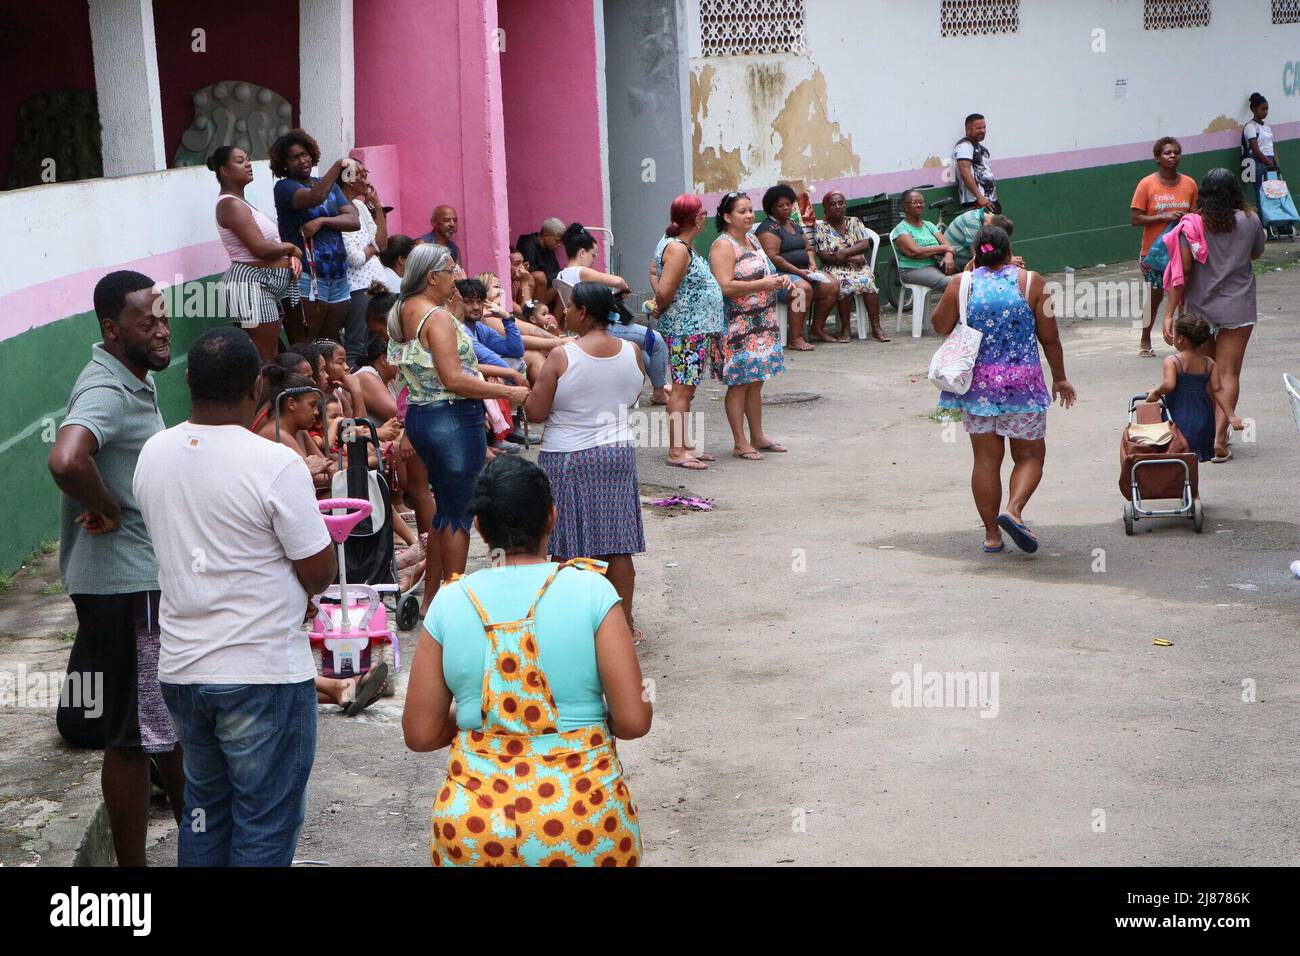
(898, 91)
(61, 236)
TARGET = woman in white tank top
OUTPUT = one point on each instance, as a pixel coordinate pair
(263, 269)
(586, 393)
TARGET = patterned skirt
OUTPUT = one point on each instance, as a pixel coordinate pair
(252, 294)
(750, 349)
(597, 501)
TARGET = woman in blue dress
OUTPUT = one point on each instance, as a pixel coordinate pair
(1007, 399)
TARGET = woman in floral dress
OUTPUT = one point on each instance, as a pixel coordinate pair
(842, 243)
(750, 348)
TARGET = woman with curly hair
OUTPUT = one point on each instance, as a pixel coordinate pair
(1219, 283)
(313, 214)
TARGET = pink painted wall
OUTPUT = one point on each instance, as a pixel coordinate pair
(552, 114)
(383, 167)
(428, 82)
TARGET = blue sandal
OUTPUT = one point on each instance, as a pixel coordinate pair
(1002, 547)
(1022, 536)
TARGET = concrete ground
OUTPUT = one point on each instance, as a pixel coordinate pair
(777, 624)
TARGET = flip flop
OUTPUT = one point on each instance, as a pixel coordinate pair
(803, 348)
(690, 464)
(1146, 353)
(998, 550)
(368, 688)
(880, 336)
(1022, 536)
(702, 456)
(747, 455)
(1220, 459)
(775, 446)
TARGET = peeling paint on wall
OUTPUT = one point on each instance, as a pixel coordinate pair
(715, 169)
(812, 146)
(1221, 123)
(932, 162)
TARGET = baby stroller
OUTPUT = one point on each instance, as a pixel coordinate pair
(1163, 467)
(1276, 208)
(370, 545)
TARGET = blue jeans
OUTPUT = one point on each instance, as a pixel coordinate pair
(653, 349)
(248, 752)
(451, 440)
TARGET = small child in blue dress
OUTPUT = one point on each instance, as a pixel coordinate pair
(1192, 388)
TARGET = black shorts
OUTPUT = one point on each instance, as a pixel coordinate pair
(111, 696)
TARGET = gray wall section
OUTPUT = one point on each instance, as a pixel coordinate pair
(647, 104)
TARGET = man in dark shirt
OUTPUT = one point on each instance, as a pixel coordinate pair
(538, 249)
(445, 222)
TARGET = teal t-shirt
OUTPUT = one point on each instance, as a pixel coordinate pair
(927, 235)
(567, 618)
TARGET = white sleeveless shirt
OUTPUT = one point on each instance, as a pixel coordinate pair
(593, 399)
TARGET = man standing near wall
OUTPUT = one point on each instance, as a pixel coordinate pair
(241, 546)
(976, 184)
(112, 698)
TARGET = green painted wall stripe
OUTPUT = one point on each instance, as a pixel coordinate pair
(41, 366)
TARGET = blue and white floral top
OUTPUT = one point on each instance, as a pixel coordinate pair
(697, 308)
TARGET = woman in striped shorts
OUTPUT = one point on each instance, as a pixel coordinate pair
(263, 269)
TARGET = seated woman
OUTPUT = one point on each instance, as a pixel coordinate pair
(842, 243)
(785, 243)
(526, 669)
(924, 256)
(580, 246)
(299, 411)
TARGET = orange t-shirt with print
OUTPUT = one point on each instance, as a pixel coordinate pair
(1152, 197)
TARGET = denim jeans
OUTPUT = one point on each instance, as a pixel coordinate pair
(653, 349)
(450, 439)
(248, 752)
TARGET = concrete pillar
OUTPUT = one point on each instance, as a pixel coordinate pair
(486, 215)
(647, 85)
(326, 76)
(126, 85)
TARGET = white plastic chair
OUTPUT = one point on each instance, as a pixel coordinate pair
(920, 293)
(1292, 385)
(859, 306)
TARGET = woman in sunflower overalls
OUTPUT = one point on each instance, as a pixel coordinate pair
(527, 669)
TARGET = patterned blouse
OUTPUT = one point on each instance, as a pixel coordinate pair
(852, 278)
(416, 369)
(697, 308)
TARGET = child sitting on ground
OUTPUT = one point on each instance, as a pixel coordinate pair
(1192, 387)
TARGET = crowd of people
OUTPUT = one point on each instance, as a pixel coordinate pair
(191, 553)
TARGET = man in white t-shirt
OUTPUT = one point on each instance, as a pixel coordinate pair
(240, 546)
(976, 184)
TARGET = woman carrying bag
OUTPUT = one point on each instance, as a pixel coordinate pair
(1007, 398)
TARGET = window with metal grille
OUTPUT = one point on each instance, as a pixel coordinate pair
(736, 27)
(974, 18)
(1175, 14)
(1286, 11)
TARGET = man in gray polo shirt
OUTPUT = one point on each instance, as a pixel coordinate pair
(112, 698)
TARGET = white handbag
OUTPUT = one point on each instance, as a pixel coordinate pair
(953, 364)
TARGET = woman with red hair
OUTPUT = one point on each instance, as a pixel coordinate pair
(691, 317)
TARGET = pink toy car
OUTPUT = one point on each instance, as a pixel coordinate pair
(351, 632)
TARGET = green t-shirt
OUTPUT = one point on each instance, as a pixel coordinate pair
(927, 234)
(121, 411)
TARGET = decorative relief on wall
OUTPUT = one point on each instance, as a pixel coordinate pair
(233, 113)
(58, 139)
(739, 27)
